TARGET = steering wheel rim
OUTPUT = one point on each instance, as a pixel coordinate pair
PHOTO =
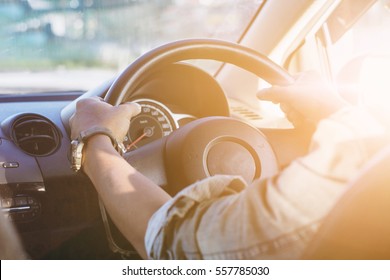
(154, 161)
(212, 49)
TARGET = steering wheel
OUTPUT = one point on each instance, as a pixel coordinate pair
(207, 146)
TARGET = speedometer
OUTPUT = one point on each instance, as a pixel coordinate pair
(154, 122)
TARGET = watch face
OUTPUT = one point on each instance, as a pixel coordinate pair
(76, 149)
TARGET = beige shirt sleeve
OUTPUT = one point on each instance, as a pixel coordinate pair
(222, 218)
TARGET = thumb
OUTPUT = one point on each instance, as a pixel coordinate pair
(131, 108)
(276, 94)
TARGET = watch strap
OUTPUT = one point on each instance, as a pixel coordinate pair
(86, 134)
(77, 145)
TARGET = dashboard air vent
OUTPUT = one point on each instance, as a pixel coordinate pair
(35, 135)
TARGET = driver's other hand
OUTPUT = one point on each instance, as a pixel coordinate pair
(309, 99)
(94, 112)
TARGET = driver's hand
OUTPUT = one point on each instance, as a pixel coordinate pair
(309, 99)
(94, 112)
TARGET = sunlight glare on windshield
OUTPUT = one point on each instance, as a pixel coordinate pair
(52, 35)
(361, 58)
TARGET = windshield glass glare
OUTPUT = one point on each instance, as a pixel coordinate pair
(43, 41)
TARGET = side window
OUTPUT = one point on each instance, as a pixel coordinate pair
(360, 57)
(352, 49)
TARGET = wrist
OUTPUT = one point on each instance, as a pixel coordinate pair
(79, 145)
(99, 141)
(96, 144)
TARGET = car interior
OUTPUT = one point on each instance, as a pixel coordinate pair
(198, 100)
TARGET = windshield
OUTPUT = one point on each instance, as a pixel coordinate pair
(78, 44)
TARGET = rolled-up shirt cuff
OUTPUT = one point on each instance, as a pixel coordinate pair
(180, 205)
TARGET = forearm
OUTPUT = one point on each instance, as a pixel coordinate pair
(343, 143)
(130, 198)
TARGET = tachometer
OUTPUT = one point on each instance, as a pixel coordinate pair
(154, 122)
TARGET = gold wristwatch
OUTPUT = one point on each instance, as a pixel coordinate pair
(77, 145)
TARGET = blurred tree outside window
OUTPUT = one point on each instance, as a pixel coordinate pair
(47, 34)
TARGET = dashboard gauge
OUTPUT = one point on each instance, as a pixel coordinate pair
(154, 122)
